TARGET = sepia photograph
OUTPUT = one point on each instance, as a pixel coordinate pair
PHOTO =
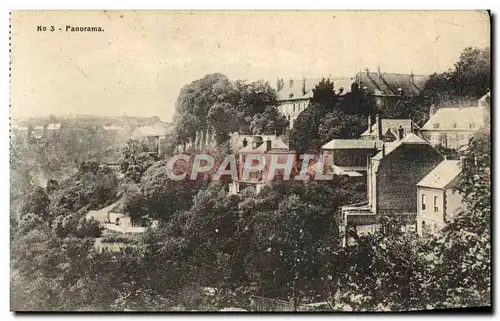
(250, 161)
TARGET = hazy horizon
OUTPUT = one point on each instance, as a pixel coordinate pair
(138, 65)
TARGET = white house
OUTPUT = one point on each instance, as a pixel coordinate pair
(438, 202)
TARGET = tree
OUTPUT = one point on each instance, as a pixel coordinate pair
(220, 117)
(194, 102)
(164, 196)
(36, 202)
(269, 122)
(338, 125)
(136, 159)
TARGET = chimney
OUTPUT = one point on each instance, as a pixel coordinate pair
(291, 83)
(432, 110)
(401, 132)
(383, 149)
(245, 142)
(257, 141)
(379, 126)
(412, 130)
(303, 85)
(370, 124)
(268, 144)
(412, 78)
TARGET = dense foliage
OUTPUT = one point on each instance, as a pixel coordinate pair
(330, 116)
(222, 106)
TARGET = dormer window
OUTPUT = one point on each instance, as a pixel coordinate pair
(472, 126)
(291, 95)
(454, 125)
(436, 125)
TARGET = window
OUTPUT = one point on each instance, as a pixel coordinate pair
(471, 126)
(436, 125)
(293, 107)
(436, 209)
(423, 202)
(454, 125)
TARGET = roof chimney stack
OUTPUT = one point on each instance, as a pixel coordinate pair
(268, 144)
(379, 126)
(370, 124)
(401, 132)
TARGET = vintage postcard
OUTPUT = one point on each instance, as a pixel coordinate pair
(242, 161)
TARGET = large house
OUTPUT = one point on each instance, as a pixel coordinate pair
(438, 202)
(392, 180)
(388, 88)
(452, 127)
(295, 95)
(349, 156)
(263, 147)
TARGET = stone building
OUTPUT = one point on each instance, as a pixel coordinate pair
(392, 180)
(294, 96)
(452, 127)
(438, 201)
(389, 88)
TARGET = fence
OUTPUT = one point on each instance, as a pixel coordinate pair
(258, 303)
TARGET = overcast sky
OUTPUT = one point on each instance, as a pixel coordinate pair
(138, 65)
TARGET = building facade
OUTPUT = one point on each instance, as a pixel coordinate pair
(295, 96)
(350, 156)
(452, 127)
(389, 88)
(438, 202)
(262, 148)
(392, 179)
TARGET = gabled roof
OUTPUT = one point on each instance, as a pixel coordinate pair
(387, 84)
(352, 144)
(442, 175)
(54, 126)
(392, 125)
(409, 139)
(293, 89)
(456, 118)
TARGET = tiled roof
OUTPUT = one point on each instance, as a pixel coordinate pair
(392, 125)
(387, 84)
(442, 175)
(294, 89)
(456, 119)
(277, 145)
(409, 139)
(353, 144)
